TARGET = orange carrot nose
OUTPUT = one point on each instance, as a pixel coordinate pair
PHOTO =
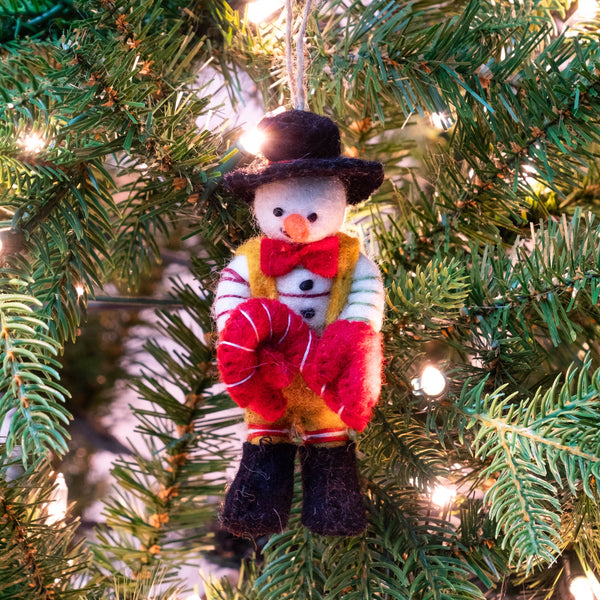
(296, 226)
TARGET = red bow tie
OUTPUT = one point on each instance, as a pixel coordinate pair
(278, 257)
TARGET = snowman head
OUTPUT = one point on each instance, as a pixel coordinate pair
(303, 173)
(301, 210)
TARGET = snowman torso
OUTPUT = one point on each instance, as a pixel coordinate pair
(303, 211)
(365, 301)
(307, 294)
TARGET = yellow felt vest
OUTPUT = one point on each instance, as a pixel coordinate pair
(262, 286)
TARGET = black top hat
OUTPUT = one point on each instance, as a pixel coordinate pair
(303, 144)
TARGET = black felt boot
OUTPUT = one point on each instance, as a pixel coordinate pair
(260, 497)
(332, 502)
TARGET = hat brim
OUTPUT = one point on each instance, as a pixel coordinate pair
(360, 177)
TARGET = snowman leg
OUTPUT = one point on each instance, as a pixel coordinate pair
(332, 501)
(259, 500)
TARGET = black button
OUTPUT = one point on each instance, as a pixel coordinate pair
(306, 285)
(308, 313)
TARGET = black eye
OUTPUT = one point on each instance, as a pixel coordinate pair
(312, 217)
(278, 212)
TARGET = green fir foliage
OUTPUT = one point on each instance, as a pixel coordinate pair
(486, 231)
(162, 506)
(40, 557)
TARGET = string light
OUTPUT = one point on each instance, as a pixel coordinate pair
(581, 588)
(531, 181)
(57, 505)
(432, 383)
(80, 290)
(252, 140)
(33, 142)
(195, 595)
(443, 495)
(440, 120)
(586, 10)
(260, 10)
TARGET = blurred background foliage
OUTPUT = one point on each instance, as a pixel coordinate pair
(118, 119)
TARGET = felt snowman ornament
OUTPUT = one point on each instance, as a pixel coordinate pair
(299, 311)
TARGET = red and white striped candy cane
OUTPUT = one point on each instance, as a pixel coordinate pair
(262, 347)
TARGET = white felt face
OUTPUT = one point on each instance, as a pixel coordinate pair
(319, 204)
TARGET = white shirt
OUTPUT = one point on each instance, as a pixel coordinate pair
(306, 293)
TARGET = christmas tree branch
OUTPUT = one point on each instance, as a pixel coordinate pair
(39, 557)
(552, 277)
(28, 381)
(505, 429)
(49, 14)
(184, 451)
(522, 442)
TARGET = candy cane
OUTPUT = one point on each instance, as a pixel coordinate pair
(266, 328)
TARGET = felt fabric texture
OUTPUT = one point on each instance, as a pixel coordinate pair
(297, 228)
(270, 355)
(344, 366)
(326, 437)
(258, 501)
(366, 298)
(232, 290)
(345, 371)
(302, 144)
(268, 433)
(262, 347)
(358, 292)
(305, 412)
(297, 134)
(332, 501)
(317, 203)
(279, 258)
(262, 286)
(347, 259)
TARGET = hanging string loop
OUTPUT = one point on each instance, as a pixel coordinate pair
(296, 72)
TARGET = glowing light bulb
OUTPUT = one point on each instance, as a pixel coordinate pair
(80, 290)
(5, 428)
(581, 589)
(440, 120)
(57, 505)
(531, 181)
(260, 10)
(587, 9)
(252, 140)
(443, 495)
(432, 383)
(33, 142)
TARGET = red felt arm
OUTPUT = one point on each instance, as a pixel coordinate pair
(346, 371)
(260, 350)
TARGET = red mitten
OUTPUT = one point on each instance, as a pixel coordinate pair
(262, 347)
(346, 371)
